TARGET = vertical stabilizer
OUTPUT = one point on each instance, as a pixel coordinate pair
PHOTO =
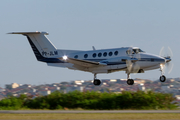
(40, 44)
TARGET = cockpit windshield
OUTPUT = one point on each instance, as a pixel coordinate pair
(134, 51)
(137, 50)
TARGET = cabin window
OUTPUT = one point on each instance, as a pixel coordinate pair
(86, 55)
(99, 54)
(110, 53)
(116, 53)
(94, 55)
(105, 54)
(76, 56)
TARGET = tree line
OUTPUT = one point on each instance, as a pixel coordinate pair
(92, 100)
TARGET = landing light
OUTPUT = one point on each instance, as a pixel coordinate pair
(65, 57)
(162, 66)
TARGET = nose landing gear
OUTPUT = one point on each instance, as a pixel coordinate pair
(162, 77)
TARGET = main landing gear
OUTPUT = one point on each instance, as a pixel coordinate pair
(96, 81)
(129, 81)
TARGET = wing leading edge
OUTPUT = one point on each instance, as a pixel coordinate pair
(84, 63)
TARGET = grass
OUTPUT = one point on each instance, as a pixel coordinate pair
(92, 116)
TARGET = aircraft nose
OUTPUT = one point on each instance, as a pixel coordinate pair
(154, 58)
(168, 59)
(161, 59)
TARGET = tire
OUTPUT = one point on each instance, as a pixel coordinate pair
(97, 82)
(162, 78)
(130, 81)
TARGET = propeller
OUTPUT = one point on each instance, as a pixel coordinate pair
(132, 66)
(167, 54)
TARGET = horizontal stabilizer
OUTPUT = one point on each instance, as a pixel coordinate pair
(24, 33)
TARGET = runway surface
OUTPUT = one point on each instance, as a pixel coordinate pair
(88, 111)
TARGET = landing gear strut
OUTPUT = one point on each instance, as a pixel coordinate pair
(129, 81)
(96, 81)
(162, 77)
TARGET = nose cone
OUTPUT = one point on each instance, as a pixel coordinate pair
(154, 58)
(168, 59)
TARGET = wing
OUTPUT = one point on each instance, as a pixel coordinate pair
(84, 63)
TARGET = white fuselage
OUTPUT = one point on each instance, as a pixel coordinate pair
(113, 58)
(129, 59)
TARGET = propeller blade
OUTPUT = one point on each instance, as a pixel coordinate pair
(170, 67)
(129, 65)
(130, 51)
(166, 54)
(170, 53)
(132, 67)
(161, 53)
(136, 68)
(138, 56)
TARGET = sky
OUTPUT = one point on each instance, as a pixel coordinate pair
(79, 25)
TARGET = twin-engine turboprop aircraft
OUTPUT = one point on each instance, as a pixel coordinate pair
(128, 59)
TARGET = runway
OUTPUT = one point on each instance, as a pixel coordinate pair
(87, 111)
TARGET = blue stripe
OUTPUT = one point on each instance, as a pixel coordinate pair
(40, 57)
(122, 62)
(51, 60)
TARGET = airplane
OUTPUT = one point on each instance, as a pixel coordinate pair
(128, 59)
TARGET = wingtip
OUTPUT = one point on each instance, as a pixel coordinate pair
(10, 33)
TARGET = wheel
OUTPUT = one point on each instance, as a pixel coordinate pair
(162, 78)
(96, 82)
(130, 81)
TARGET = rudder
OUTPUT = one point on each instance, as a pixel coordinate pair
(40, 44)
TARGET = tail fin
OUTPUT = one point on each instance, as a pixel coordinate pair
(41, 45)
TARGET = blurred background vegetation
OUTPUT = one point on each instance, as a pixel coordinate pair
(91, 100)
